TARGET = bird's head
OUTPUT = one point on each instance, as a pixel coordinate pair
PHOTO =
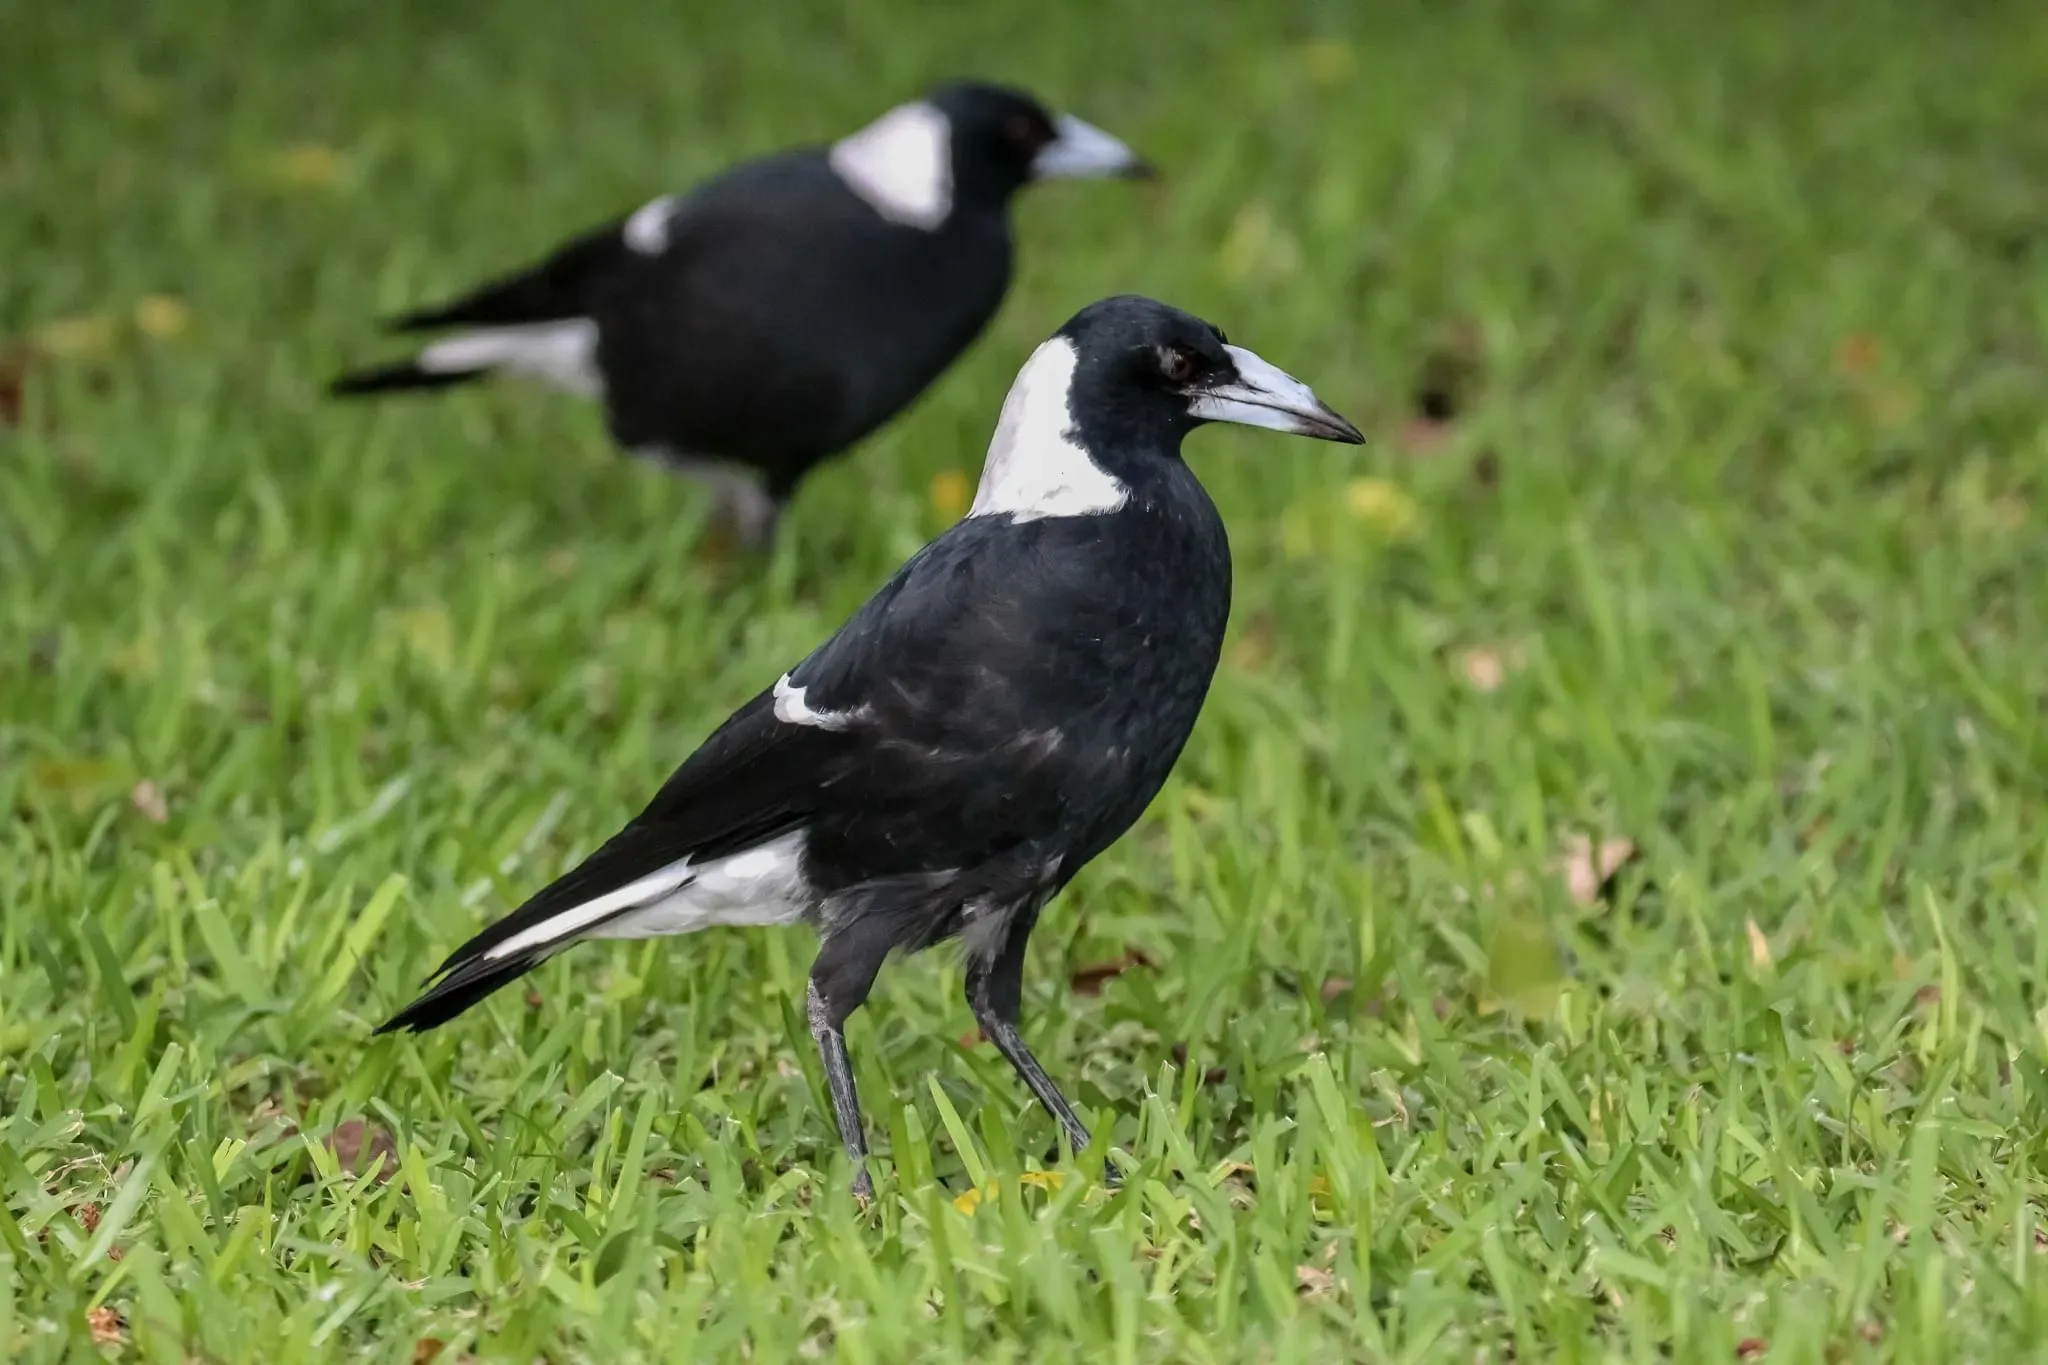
(1004, 138)
(1114, 391)
(1155, 372)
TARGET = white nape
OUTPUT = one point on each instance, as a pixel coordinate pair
(902, 165)
(561, 353)
(792, 709)
(1036, 468)
(763, 885)
(647, 230)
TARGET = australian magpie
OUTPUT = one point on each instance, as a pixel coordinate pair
(994, 717)
(748, 329)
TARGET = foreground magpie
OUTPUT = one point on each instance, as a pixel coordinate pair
(778, 313)
(997, 715)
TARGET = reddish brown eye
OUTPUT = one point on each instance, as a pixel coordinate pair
(1177, 365)
(1023, 129)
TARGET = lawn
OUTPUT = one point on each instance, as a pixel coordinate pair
(1597, 918)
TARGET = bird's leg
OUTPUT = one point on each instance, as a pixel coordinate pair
(995, 993)
(750, 510)
(841, 977)
(831, 1040)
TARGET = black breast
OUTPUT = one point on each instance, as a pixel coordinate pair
(1068, 663)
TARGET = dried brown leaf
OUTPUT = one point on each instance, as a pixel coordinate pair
(1088, 980)
(1313, 1281)
(108, 1327)
(1587, 867)
(356, 1143)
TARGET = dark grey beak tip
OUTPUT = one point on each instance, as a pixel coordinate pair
(1335, 428)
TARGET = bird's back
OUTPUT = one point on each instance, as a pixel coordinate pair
(785, 319)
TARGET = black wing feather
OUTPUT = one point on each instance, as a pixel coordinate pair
(557, 288)
(753, 779)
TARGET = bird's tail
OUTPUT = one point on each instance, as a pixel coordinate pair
(461, 984)
(407, 374)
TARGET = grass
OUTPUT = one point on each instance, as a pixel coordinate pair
(1736, 530)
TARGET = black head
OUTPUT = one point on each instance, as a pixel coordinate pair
(1002, 139)
(1146, 374)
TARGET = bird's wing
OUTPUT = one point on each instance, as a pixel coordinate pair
(555, 288)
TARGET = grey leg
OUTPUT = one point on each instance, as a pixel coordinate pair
(742, 503)
(995, 994)
(831, 1039)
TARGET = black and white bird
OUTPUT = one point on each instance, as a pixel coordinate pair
(994, 717)
(749, 329)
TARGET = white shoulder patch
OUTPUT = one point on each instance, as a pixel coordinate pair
(902, 165)
(1036, 468)
(792, 709)
(647, 230)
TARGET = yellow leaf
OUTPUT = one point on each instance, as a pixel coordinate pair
(950, 493)
(971, 1200)
(1382, 505)
(1328, 61)
(310, 166)
(1759, 946)
(161, 316)
(1522, 967)
(76, 338)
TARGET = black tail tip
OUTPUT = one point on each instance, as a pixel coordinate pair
(394, 379)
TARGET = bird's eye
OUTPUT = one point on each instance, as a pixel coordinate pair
(1025, 130)
(1178, 363)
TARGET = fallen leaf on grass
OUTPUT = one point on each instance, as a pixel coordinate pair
(309, 166)
(1749, 1348)
(1088, 980)
(1333, 987)
(1486, 669)
(78, 338)
(1759, 946)
(426, 1349)
(1312, 1282)
(355, 1143)
(1382, 505)
(950, 493)
(973, 1199)
(1423, 436)
(1587, 868)
(1522, 965)
(1328, 61)
(161, 316)
(1856, 354)
(148, 798)
(107, 1325)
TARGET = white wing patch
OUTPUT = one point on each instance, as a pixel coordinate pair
(763, 885)
(1035, 467)
(647, 230)
(792, 709)
(560, 353)
(902, 165)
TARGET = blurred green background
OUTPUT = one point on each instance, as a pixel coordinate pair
(1701, 352)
